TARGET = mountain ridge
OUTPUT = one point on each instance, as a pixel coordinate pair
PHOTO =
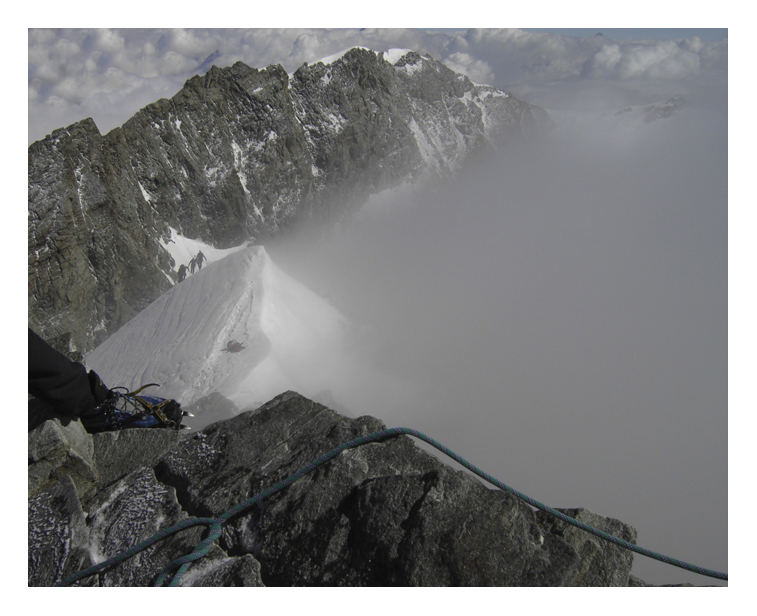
(240, 328)
(238, 153)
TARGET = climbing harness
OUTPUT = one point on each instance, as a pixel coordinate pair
(182, 564)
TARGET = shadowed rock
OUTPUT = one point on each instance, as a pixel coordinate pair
(119, 453)
(385, 513)
(56, 450)
(57, 533)
(128, 512)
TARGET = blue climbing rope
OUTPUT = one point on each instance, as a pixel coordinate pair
(182, 564)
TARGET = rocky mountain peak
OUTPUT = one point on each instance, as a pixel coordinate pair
(238, 153)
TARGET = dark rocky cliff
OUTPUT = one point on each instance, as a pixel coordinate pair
(382, 514)
(237, 154)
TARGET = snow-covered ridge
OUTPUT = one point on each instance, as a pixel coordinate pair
(183, 249)
(244, 169)
(240, 327)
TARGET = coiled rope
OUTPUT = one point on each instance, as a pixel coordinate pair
(182, 564)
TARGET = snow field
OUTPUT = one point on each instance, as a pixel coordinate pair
(183, 249)
(291, 337)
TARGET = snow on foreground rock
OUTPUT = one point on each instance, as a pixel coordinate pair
(241, 328)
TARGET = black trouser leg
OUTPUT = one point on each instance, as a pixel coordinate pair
(64, 385)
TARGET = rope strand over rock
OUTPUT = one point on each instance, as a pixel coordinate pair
(182, 564)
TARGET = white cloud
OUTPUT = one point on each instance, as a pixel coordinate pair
(49, 72)
(693, 43)
(64, 48)
(39, 37)
(57, 102)
(663, 60)
(477, 70)
(306, 45)
(117, 80)
(173, 62)
(193, 43)
(68, 89)
(109, 41)
(605, 61)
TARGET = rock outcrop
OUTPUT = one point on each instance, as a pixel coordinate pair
(238, 153)
(382, 514)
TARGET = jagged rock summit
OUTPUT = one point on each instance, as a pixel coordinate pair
(382, 514)
(237, 154)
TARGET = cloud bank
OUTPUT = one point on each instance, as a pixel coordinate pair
(560, 313)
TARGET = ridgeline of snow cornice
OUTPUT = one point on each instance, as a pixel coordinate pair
(237, 154)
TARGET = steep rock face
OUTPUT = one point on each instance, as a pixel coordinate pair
(382, 514)
(237, 153)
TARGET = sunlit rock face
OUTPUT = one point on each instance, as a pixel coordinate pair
(238, 154)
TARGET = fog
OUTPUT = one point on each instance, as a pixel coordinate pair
(558, 314)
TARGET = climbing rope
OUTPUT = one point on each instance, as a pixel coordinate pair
(182, 564)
